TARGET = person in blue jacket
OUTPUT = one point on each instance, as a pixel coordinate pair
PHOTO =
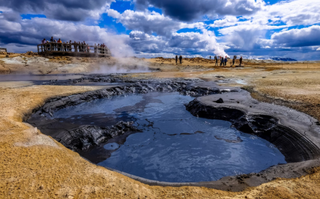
(225, 61)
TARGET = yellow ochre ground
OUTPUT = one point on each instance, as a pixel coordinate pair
(33, 165)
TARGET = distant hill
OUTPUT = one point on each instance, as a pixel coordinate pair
(282, 59)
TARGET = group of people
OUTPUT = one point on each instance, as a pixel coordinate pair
(58, 45)
(224, 60)
(180, 59)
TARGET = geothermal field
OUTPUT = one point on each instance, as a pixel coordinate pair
(106, 127)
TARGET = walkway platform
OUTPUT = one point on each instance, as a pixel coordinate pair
(74, 50)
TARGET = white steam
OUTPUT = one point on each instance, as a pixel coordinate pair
(123, 65)
(213, 45)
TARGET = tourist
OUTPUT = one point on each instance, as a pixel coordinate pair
(60, 45)
(47, 46)
(103, 48)
(43, 41)
(80, 47)
(234, 60)
(221, 61)
(210, 57)
(84, 46)
(225, 61)
(95, 48)
(240, 61)
(54, 45)
(216, 59)
(70, 46)
(180, 58)
(51, 40)
(176, 59)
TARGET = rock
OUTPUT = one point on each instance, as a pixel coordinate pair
(220, 101)
(85, 137)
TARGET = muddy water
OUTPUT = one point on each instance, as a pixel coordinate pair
(174, 145)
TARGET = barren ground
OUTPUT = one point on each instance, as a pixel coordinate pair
(36, 166)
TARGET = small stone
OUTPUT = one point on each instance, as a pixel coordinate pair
(220, 101)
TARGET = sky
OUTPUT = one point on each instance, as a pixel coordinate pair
(165, 28)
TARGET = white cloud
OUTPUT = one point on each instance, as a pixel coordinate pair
(148, 22)
(227, 21)
(189, 43)
(249, 33)
(298, 37)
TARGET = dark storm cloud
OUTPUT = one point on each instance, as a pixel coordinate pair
(72, 10)
(11, 16)
(188, 10)
(298, 37)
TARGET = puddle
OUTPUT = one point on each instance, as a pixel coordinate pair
(240, 81)
(174, 146)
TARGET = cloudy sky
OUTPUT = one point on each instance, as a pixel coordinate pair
(152, 28)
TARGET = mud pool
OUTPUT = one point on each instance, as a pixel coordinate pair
(174, 146)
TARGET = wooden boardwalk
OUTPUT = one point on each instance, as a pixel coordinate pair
(74, 49)
(2, 50)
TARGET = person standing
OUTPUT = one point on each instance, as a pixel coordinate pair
(240, 61)
(216, 59)
(59, 45)
(54, 45)
(234, 60)
(210, 57)
(180, 58)
(221, 61)
(76, 46)
(176, 59)
(84, 49)
(70, 46)
(80, 46)
(225, 61)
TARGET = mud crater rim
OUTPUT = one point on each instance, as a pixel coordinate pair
(237, 116)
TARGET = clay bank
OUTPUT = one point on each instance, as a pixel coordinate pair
(139, 128)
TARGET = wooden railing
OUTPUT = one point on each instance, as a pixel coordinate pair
(72, 49)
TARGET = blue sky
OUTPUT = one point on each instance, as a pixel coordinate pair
(153, 28)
